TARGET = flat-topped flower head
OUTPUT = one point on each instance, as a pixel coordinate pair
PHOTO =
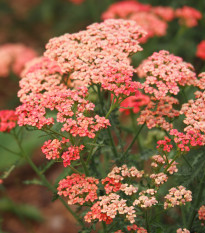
(165, 73)
(201, 213)
(188, 16)
(14, 57)
(8, 120)
(99, 55)
(184, 230)
(78, 189)
(39, 76)
(177, 196)
(146, 199)
(72, 108)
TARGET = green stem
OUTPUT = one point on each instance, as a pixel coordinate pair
(45, 181)
(175, 157)
(112, 142)
(147, 221)
(133, 140)
(84, 165)
(197, 202)
(104, 227)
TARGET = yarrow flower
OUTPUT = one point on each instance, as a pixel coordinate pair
(136, 229)
(78, 189)
(188, 16)
(165, 73)
(14, 58)
(146, 199)
(72, 110)
(177, 196)
(159, 178)
(99, 55)
(55, 149)
(184, 230)
(201, 213)
(144, 15)
(8, 120)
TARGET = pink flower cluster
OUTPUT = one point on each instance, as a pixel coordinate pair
(151, 19)
(99, 55)
(159, 178)
(184, 230)
(134, 102)
(54, 149)
(164, 73)
(8, 120)
(146, 199)
(40, 76)
(133, 228)
(165, 144)
(108, 207)
(201, 213)
(163, 161)
(78, 189)
(157, 111)
(188, 16)
(177, 196)
(72, 110)
(14, 58)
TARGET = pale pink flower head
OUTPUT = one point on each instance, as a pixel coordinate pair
(165, 73)
(99, 55)
(78, 189)
(184, 230)
(8, 120)
(14, 57)
(188, 16)
(201, 50)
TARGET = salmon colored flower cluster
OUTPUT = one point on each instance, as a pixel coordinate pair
(165, 144)
(40, 76)
(8, 120)
(188, 16)
(78, 189)
(159, 178)
(158, 112)
(177, 196)
(151, 19)
(165, 73)
(201, 213)
(134, 227)
(13, 58)
(184, 230)
(134, 102)
(108, 207)
(146, 199)
(72, 110)
(55, 149)
(99, 55)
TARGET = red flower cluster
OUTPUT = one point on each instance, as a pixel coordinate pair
(201, 50)
(8, 120)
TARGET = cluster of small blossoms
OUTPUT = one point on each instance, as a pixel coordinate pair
(159, 178)
(99, 55)
(8, 120)
(162, 161)
(186, 140)
(113, 181)
(108, 207)
(55, 149)
(12, 58)
(184, 230)
(40, 76)
(156, 112)
(134, 102)
(146, 199)
(201, 213)
(200, 52)
(78, 189)
(144, 15)
(164, 73)
(165, 144)
(177, 196)
(133, 228)
(72, 110)
(188, 16)
(194, 113)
